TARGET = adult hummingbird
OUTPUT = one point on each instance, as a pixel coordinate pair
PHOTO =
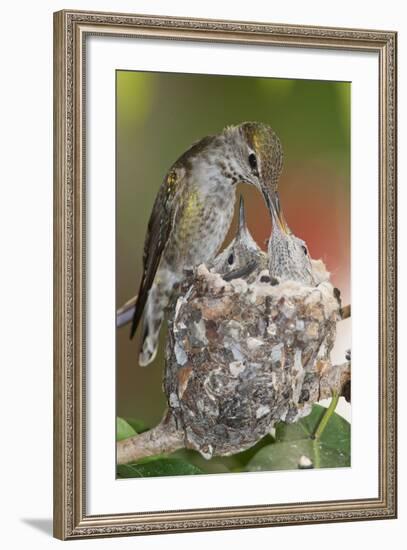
(193, 211)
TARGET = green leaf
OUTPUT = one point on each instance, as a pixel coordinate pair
(336, 434)
(215, 465)
(160, 467)
(123, 429)
(294, 441)
(138, 425)
(287, 455)
(244, 457)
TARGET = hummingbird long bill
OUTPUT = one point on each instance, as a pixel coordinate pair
(193, 211)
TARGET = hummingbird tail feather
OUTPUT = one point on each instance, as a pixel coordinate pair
(138, 310)
(148, 351)
(153, 318)
(149, 342)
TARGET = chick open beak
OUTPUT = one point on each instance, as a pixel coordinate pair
(273, 203)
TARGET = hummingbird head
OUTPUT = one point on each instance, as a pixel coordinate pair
(261, 155)
(289, 258)
(241, 251)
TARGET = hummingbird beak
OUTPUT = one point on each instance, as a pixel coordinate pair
(242, 220)
(273, 202)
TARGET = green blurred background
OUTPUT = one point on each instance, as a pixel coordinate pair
(160, 115)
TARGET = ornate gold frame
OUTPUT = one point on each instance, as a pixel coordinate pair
(70, 31)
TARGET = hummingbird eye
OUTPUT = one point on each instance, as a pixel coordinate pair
(253, 162)
(304, 248)
(231, 259)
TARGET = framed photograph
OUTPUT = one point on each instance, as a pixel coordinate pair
(225, 273)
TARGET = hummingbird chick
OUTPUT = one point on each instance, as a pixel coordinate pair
(289, 258)
(193, 211)
(242, 257)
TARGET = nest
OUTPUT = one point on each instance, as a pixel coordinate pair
(242, 356)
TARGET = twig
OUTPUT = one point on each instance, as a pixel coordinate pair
(164, 438)
(335, 379)
(345, 312)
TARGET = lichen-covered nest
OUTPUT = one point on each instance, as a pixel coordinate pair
(241, 357)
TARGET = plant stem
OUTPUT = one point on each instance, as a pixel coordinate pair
(317, 456)
(326, 416)
(163, 438)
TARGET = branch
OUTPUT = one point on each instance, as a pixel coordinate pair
(335, 379)
(345, 312)
(164, 438)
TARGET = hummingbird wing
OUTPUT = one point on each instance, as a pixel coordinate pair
(158, 232)
(161, 222)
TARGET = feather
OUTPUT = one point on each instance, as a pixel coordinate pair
(158, 232)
